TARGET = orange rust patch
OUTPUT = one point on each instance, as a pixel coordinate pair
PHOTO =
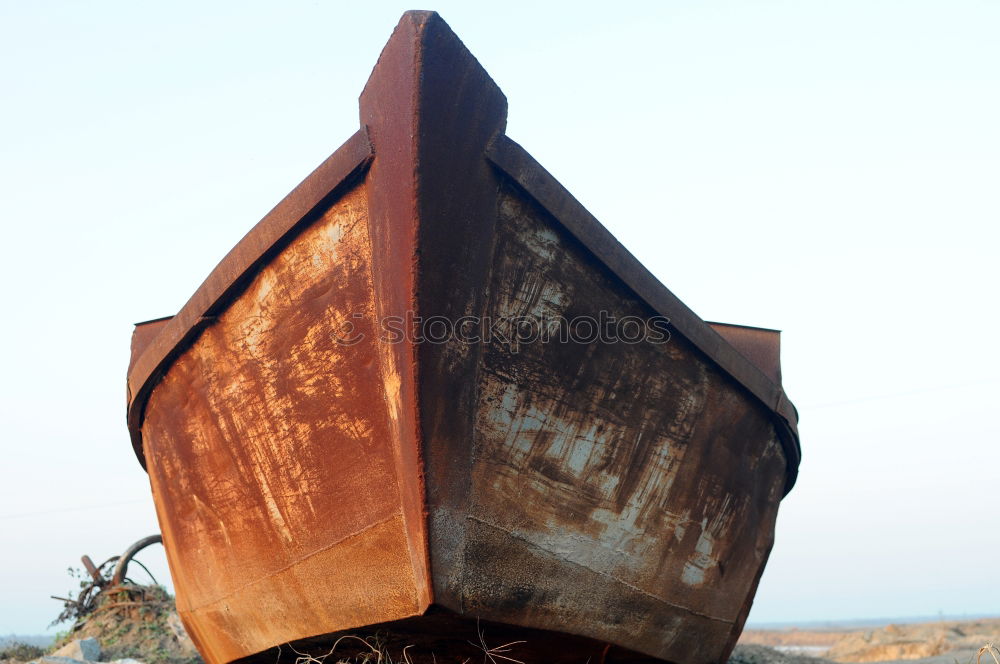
(376, 581)
(268, 442)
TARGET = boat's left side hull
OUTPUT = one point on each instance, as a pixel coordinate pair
(272, 460)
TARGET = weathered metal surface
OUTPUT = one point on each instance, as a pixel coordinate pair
(157, 343)
(624, 493)
(759, 345)
(632, 473)
(121, 568)
(516, 163)
(272, 455)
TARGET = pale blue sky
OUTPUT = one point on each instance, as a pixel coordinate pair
(827, 168)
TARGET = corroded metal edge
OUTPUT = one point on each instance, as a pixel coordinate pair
(515, 162)
(330, 178)
(391, 106)
(760, 345)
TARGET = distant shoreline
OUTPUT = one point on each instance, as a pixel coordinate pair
(937, 640)
(857, 623)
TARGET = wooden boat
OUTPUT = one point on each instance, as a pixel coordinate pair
(338, 444)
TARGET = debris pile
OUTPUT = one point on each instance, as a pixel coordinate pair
(134, 622)
(116, 620)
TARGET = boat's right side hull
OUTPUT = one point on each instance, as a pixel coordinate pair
(622, 491)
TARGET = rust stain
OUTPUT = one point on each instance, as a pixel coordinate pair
(266, 448)
(629, 461)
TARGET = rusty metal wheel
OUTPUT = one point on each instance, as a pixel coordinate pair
(122, 568)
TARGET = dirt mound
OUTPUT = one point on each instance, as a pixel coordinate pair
(916, 641)
(135, 621)
(857, 649)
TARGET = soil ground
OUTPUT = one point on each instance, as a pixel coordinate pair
(939, 642)
(143, 625)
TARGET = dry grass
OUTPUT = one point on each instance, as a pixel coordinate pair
(991, 649)
(375, 651)
(496, 652)
(20, 652)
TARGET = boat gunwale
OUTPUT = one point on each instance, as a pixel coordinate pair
(346, 165)
(232, 274)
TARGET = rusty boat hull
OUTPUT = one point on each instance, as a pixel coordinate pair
(358, 423)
